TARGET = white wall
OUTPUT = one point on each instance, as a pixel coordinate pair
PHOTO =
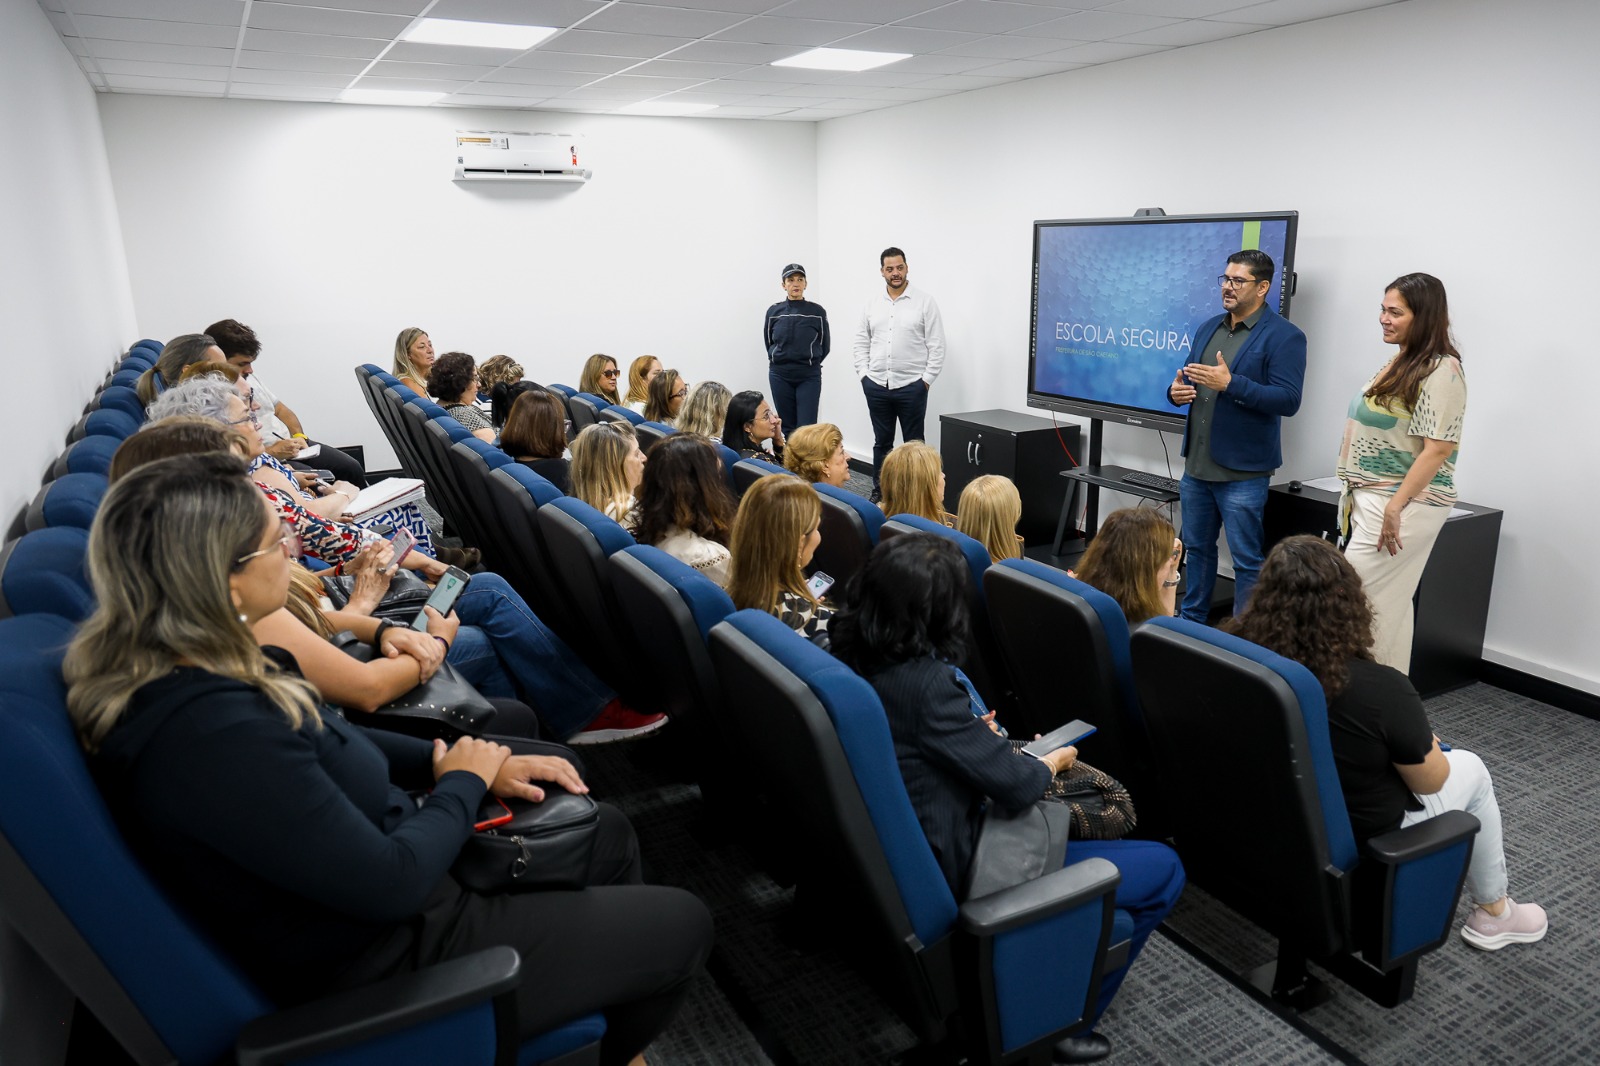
(63, 275)
(1449, 136)
(329, 228)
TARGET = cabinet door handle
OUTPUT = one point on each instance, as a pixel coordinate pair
(979, 460)
(969, 452)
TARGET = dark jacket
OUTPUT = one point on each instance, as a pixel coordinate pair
(951, 760)
(1268, 373)
(796, 336)
(293, 849)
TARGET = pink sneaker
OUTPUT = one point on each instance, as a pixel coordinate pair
(1519, 923)
(617, 721)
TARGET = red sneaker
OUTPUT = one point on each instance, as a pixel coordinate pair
(617, 721)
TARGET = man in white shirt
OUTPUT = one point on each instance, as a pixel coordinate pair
(898, 354)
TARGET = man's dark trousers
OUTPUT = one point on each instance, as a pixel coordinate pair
(909, 404)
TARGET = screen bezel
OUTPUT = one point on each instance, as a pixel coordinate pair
(1172, 420)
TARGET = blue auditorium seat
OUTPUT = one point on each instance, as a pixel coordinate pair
(652, 433)
(849, 529)
(69, 500)
(121, 398)
(615, 412)
(44, 573)
(91, 455)
(104, 423)
(585, 408)
(747, 472)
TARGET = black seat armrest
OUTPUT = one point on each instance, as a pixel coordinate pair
(1400, 846)
(1030, 901)
(347, 1018)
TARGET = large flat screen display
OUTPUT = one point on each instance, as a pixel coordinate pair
(1116, 301)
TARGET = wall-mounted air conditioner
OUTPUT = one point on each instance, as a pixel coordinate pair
(498, 155)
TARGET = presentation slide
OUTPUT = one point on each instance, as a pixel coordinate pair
(1117, 302)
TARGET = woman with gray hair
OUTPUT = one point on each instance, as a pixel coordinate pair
(179, 353)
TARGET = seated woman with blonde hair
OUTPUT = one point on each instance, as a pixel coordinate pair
(775, 534)
(606, 469)
(413, 359)
(599, 377)
(816, 453)
(1134, 559)
(644, 370)
(913, 482)
(705, 410)
(989, 511)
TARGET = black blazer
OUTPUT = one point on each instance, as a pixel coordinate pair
(951, 760)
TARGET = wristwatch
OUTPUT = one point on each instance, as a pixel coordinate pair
(384, 625)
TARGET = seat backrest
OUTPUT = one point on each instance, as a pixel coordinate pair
(747, 472)
(471, 460)
(581, 542)
(730, 459)
(91, 455)
(138, 360)
(819, 734)
(69, 500)
(69, 884)
(517, 493)
(652, 433)
(126, 378)
(849, 530)
(670, 608)
(585, 408)
(984, 665)
(1058, 635)
(1283, 861)
(105, 422)
(156, 347)
(44, 573)
(121, 398)
(618, 413)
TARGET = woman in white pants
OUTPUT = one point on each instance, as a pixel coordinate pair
(1308, 606)
(1397, 459)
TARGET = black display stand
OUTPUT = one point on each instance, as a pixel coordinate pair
(1452, 600)
(1094, 477)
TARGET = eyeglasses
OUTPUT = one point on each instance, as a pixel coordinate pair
(680, 394)
(289, 542)
(1236, 283)
(249, 417)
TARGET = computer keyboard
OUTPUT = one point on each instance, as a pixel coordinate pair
(1151, 481)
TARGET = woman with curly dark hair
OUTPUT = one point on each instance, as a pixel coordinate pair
(453, 381)
(1309, 606)
(685, 508)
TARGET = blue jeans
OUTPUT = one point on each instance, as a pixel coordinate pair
(796, 401)
(908, 404)
(564, 692)
(472, 654)
(1152, 881)
(1208, 508)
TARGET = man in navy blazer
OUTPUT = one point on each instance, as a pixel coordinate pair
(1247, 371)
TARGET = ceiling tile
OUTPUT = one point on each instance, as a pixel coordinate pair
(594, 42)
(411, 85)
(515, 89)
(981, 16)
(877, 11)
(817, 92)
(386, 68)
(138, 83)
(1097, 25)
(566, 79)
(599, 94)
(162, 70)
(889, 77)
(745, 112)
(292, 77)
(118, 29)
(820, 114)
(474, 100)
(801, 32)
(795, 75)
(753, 88)
(1019, 46)
(702, 96)
(465, 55)
(960, 83)
(743, 7)
(63, 23)
(907, 39)
(542, 60)
(906, 95)
(167, 53)
(558, 13)
(1100, 52)
(667, 21)
(212, 12)
(1177, 9)
(259, 91)
(733, 52)
(776, 100)
(943, 63)
(267, 16)
(254, 60)
(1194, 31)
(673, 68)
(1026, 68)
(654, 86)
(313, 44)
(1286, 12)
(388, 7)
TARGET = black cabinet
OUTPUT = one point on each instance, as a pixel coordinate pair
(1024, 448)
(1452, 600)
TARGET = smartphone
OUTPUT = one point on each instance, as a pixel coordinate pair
(324, 475)
(444, 597)
(1070, 733)
(819, 583)
(382, 529)
(404, 540)
(492, 812)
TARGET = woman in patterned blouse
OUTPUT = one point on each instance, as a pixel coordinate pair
(775, 534)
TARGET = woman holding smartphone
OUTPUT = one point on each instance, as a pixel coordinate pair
(1398, 458)
(775, 534)
(906, 624)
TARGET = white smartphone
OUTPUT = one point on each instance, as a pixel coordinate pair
(819, 583)
(402, 543)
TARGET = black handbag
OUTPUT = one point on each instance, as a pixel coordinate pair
(544, 845)
(1101, 807)
(401, 603)
(445, 706)
(1017, 846)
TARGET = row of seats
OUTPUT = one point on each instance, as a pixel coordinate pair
(70, 886)
(1063, 650)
